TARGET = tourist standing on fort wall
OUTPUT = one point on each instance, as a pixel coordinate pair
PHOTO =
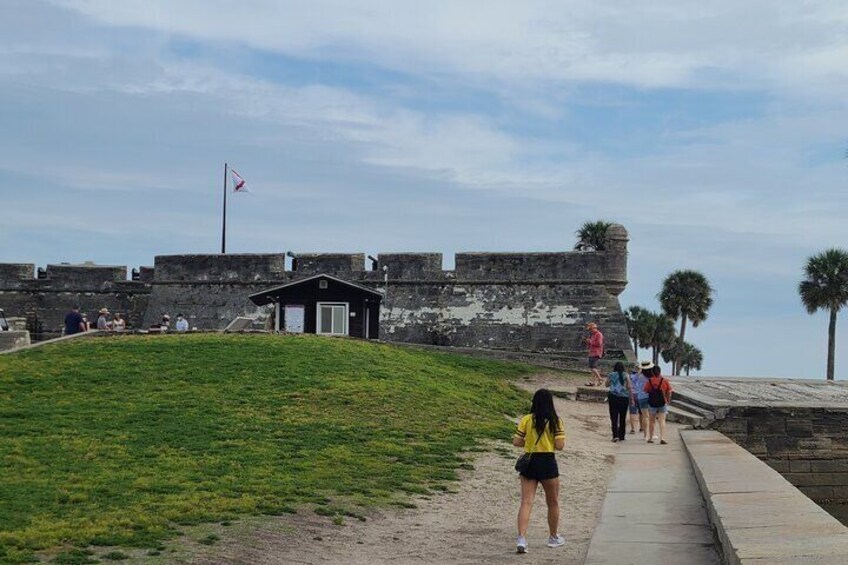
(540, 433)
(659, 396)
(595, 343)
(618, 400)
(638, 402)
(74, 323)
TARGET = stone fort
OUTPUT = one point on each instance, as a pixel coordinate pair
(523, 302)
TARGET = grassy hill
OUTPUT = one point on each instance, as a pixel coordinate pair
(119, 441)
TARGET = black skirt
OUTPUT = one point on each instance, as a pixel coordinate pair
(543, 466)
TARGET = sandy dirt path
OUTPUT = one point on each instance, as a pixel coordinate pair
(476, 524)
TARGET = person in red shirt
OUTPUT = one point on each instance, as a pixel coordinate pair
(595, 343)
(659, 396)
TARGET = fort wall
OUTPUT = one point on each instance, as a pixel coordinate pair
(510, 301)
(808, 445)
(53, 291)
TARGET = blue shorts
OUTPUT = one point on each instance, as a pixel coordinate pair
(660, 410)
(640, 406)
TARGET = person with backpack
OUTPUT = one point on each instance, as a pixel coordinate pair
(540, 433)
(659, 396)
(618, 399)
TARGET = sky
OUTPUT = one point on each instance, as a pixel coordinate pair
(715, 132)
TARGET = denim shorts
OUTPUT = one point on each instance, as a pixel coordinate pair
(640, 406)
(660, 410)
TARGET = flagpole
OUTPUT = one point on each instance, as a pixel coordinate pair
(224, 223)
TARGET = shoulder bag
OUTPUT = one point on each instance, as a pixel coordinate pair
(523, 462)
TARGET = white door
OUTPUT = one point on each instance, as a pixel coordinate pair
(332, 318)
(294, 319)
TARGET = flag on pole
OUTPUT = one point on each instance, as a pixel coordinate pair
(238, 183)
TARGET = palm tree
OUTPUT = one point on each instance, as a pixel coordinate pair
(690, 356)
(636, 318)
(660, 331)
(592, 236)
(686, 295)
(826, 287)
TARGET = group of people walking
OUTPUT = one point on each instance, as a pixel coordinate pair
(643, 393)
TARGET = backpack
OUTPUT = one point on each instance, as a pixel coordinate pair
(656, 398)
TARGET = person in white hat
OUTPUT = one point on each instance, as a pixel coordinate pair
(103, 323)
(638, 401)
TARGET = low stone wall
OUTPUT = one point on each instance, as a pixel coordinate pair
(807, 445)
(758, 517)
(13, 339)
(539, 359)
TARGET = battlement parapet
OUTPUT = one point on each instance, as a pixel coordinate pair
(576, 266)
(217, 267)
(333, 263)
(607, 267)
(410, 265)
(146, 274)
(13, 274)
(85, 275)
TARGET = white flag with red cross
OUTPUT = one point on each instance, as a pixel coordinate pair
(238, 183)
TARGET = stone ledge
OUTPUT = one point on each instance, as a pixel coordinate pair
(82, 335)
(758, 516)
(592, 394)
(13, 339)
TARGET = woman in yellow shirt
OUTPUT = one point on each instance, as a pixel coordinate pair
(540, 433)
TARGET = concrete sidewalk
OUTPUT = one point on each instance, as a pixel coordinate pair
(653, 510)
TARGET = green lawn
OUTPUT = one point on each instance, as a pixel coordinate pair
(120, 441)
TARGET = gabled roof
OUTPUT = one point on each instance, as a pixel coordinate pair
(263, 297)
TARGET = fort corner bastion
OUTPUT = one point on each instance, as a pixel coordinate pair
(524, 302)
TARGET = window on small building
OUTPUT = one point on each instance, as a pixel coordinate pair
(332, 318)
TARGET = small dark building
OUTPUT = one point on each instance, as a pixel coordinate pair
(326, 305)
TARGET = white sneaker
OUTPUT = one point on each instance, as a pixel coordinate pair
(521, 545)
(556, 541)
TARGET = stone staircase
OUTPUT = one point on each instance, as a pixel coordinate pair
(683, 409)
(686, 410)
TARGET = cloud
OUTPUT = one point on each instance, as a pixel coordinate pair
(683, 44)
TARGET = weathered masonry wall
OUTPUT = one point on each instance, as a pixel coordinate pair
(510, 301)
(514, 301)
(807, 445)
(92, 287)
